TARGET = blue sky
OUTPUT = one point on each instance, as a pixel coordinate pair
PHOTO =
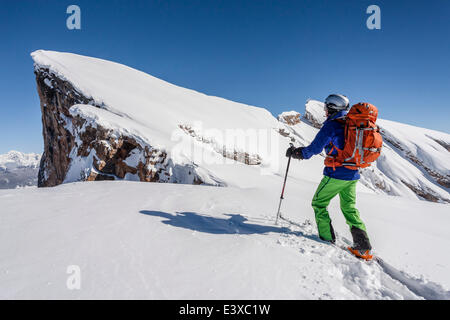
(272, 54)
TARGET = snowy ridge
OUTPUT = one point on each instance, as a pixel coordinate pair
(150, 110)
(18, 169)
(150, 102)
(415, 162)
(15, 159)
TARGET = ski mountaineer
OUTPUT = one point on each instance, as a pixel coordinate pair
(338, 180)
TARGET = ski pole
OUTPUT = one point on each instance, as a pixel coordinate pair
(284, 185)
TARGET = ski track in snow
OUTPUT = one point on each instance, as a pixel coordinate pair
(370, 279)
(169, 241)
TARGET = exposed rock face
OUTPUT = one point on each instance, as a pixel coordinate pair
(443, 143)
(424, 193)
(69, 139)
(233, 154)
(110, 154)
(286, 134)
(290, 118)
(56, 97)
(439, 177)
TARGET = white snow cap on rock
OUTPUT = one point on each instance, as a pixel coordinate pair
(314, 112)
(153, 103)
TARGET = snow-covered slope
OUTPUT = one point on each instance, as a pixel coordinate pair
(169, 241)
(415, 162)
(18, 169)
(105, 121)
(154, 116)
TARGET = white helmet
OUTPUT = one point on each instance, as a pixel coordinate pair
(337, 102)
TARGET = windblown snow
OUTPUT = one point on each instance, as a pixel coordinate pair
(219, 240)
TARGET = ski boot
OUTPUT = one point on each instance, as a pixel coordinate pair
(361, 244)
(362, 254)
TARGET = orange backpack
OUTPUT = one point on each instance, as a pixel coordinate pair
(363, 140)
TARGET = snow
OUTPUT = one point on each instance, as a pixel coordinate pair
(48, 83)
(421, 143)
(169, 241)
(315, 111)
(15, 159)
(397, 160)
(195, 129)
(282, 116)
(152, 103)
(117, 124)
(18, 170)
(218, 241)
(288, 113)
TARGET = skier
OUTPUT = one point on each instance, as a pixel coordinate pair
(337, 180)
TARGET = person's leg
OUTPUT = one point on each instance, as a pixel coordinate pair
(327, 190)
(347, 197)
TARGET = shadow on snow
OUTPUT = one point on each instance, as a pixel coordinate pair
(235, 224)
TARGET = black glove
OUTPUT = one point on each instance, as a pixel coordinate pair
(295, 153)
(290, 151)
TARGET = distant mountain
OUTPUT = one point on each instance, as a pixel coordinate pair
(18, 169)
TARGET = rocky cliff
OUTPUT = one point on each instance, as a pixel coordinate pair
(70, 137)
(105, 121)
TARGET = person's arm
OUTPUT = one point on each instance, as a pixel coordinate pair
(322, 138)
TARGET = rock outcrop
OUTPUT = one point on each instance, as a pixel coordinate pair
(290, 118)
(315, 113)
(73, 145)
(232, 154)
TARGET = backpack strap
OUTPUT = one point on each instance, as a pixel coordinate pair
(330, 158)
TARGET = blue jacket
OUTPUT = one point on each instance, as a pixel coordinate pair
(332, 131)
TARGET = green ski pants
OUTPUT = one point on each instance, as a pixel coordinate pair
(327, 190)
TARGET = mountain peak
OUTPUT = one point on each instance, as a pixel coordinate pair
(14, 159)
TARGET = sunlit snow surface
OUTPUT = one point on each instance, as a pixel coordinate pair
(169, 241)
